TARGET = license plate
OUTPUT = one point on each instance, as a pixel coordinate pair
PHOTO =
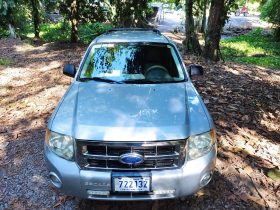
(132, 184)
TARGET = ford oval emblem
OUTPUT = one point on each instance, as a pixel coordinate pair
(131, 158)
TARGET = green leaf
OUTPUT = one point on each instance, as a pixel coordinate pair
(274, 174)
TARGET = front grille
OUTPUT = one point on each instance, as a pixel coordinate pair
(105, 155)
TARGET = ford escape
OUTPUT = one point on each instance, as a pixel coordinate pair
(131, 126)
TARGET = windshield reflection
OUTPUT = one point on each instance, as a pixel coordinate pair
(132, 63)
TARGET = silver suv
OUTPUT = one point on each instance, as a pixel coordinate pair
(131, 126)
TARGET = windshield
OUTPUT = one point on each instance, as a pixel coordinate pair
(132, 63)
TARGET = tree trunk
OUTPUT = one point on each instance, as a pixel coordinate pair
(203, 24)
(74, 20)
(216, 22)
(36, 18)
(191, 42)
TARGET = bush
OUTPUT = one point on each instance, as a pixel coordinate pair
(21, 18)
(88, 31)
(61, 31)
(271, 13)
(55, 31)
(4, 32)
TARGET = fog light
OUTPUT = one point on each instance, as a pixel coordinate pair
(206, 179)
(55, 180)
(162, 192)
(98, 192)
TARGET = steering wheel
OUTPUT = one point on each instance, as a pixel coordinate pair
(157, 73)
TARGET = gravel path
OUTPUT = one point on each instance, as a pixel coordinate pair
(31, 87)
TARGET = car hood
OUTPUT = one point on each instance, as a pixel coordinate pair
(124, 112)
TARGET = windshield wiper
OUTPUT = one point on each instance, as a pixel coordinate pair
(101, 79)
(141, 81)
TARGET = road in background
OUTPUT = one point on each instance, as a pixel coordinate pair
(173, 20)
(170, 21)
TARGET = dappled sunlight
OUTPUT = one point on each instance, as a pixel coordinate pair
(257, 48)
(245, 47)
(3, 145)
(8, 74)
(176, 37)
(244, 102)
(254, 144)
(234, 71)
(122, 119)
(243, 163)
(28, 56)
(176, 105)
(140, 114)
(268, 121)
(193, 100)
(139, 100)
(52, 65)
(26, 91)
(23, 48)
(29, 92)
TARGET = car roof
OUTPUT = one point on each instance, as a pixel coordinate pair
(132, 35)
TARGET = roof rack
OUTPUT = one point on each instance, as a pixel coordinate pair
(134, 29)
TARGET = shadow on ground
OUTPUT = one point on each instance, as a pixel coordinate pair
(243, 100)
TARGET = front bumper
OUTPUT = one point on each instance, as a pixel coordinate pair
(165, 183)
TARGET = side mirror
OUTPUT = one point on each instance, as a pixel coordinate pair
(69, 70)
(195, 70)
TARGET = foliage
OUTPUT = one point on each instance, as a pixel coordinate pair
(198, 7)
(61, 31)
(88, 31)
(97, 11)
(77, 11)
(5, 5)
(55, 31)
(18, 13)
(22, 18)
(230, 6)
(89, 11)
(274, 174)
(199, 11)
(271, 13)
(130, 13)
(254, 48)
(50, 5)
(4, 32)
(6, 62)
(168, 1)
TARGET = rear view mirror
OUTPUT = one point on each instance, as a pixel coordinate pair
(69, 70)
(195, 70)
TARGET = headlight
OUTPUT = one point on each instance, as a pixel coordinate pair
(62, 145)
(200, 145)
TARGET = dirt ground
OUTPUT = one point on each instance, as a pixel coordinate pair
(243, 100)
